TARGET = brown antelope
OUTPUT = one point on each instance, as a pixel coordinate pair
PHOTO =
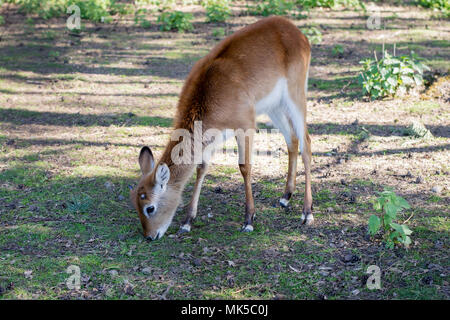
(260, 69)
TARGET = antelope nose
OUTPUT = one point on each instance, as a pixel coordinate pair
(150, 209)
(150, 238)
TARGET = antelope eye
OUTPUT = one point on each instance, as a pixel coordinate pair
(143, 196)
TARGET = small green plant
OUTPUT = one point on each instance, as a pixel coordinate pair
(54, 54)
(140, 18)
(313, 34)
(217, 10)
(2, 20)
(29, 22)
(389, 204)
(338, 50)
(391, 75)
(29, 26)
(418, 130)
(79, 204)
(272, 7)
(121, 8)
(218, 32)
(145, 24)
(175, 20)
(50, 35)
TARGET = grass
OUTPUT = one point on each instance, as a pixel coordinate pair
(70, 133)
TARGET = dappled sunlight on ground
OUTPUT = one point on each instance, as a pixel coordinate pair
(75, 111)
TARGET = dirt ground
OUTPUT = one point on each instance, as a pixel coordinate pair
(75, 110)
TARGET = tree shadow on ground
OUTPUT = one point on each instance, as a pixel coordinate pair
(24, 117)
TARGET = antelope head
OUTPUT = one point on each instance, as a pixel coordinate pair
(153, 197)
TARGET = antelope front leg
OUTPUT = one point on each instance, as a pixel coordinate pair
(191, 212)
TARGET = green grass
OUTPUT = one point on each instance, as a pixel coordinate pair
(424, 107)
(99, 234)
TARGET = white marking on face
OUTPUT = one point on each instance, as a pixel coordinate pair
(151, 214)
(162, 176)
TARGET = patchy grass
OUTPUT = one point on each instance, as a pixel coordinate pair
(72, 120)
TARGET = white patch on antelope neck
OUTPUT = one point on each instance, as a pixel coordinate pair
(155, 196)
(282, 110)
(162, 174)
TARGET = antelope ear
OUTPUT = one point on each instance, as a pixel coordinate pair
(146, 161)
(162, 174)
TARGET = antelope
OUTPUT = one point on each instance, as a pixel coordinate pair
(260, 69)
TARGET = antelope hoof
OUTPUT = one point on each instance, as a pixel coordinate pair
(185, 228)
(247, 228)
(307, 218)
(284, 202)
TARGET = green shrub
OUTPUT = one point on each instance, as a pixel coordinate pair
(175, 20)
(389, 204)
(122, 9)
(94, 10)
(313, 34)
(272, 7)
(390, 75)
(440, 5)
(161, 4)
(330, 3)
(140, 18)
(338, 50)
(217, 10)
(2, 20)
